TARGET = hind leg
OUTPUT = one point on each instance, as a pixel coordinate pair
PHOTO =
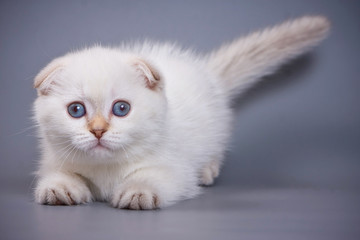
(209, 172)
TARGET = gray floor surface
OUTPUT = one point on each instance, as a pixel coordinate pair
(219, 213)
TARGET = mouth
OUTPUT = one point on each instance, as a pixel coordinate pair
(99, 146)
(100, 150)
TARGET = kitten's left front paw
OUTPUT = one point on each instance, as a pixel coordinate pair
(136, 196)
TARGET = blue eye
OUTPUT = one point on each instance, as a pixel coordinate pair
(76, 110)
(121, 108)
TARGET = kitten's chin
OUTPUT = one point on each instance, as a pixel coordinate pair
(100, 151)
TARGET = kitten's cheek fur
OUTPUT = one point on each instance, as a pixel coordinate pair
(136, 196)
(62, 189)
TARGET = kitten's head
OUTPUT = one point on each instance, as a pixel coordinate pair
(101, 104)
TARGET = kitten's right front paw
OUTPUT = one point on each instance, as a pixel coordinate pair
(62, 190)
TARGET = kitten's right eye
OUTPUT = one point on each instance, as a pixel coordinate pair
(76, 110)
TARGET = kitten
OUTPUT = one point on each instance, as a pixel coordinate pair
(142, 127)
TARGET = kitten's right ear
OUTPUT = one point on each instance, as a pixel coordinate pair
(44, 81)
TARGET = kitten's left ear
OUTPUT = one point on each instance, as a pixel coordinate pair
(148, 72)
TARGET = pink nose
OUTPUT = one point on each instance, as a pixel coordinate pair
(98, 132)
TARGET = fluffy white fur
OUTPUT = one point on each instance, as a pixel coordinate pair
(175, 135)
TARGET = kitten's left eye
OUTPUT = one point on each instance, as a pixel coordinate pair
(121, 108)
(76, 110)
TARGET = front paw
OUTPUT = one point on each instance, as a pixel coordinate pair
(136, 196)
(62, 190)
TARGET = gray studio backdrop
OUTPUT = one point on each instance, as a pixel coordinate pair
(293, 166)
(300, 127)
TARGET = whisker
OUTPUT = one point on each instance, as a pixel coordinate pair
(67, 156)
(75, 153)
(61, 143)
(126, 154)
(24, 130)
(31, 188)
(64, 150)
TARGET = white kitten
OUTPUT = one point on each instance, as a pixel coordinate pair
(143, 127)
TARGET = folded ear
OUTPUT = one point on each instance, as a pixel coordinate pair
(45, 80)
(147, 71)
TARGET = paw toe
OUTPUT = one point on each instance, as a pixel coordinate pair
(136, 199)
(59, 193)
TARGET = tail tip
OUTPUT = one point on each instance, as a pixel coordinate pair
(318, 23)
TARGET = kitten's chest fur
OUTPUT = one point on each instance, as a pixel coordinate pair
(103, 178)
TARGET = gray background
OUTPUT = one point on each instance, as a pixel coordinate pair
(293, 169)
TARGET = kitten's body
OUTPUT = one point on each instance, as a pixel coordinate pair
(174, 136)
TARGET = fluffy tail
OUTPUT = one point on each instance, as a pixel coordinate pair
(243, 62)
